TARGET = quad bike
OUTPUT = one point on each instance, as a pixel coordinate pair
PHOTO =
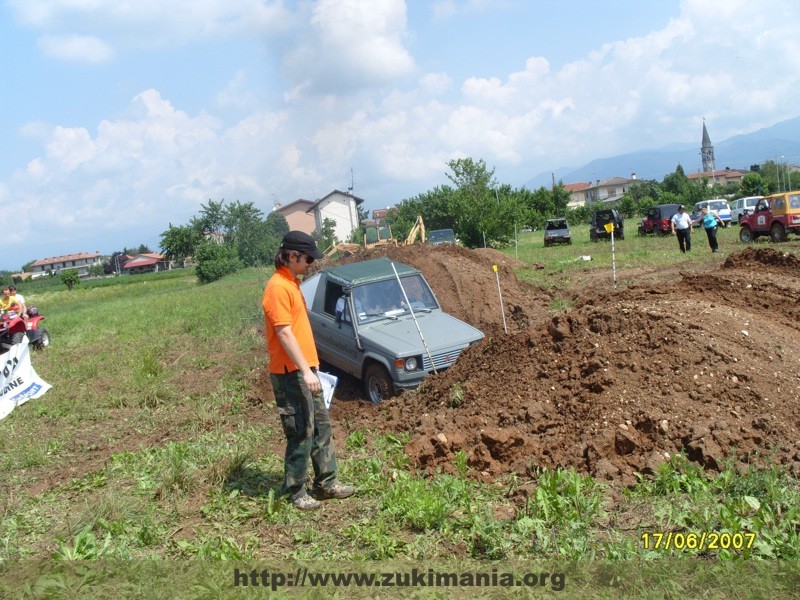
(13, 329)
(38, 336)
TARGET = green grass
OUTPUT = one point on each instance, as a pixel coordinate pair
(156, 375)
(563, 263)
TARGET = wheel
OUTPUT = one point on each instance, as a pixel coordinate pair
(17, 337)
(746, 234)
(569, 242)
(593, 236)
(378, 384)
(44, 338)
(621, 236)
(641, 232)
(777, 233)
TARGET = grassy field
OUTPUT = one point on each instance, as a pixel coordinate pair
(153, 444)
(563, 263)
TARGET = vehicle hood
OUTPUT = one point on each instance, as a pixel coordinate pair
(440, 330)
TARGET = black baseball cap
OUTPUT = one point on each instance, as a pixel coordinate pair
(302, 242)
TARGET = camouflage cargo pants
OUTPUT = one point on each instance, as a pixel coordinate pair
(307, 427)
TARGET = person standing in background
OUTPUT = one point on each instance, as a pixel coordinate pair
(710, 220)
(682, 228)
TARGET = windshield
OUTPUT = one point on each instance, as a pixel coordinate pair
(441, 235)
(602, 217)
(384, 299)
(666, 211)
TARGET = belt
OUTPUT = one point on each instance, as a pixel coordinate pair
(286, 370)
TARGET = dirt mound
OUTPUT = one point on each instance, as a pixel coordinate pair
(707, 364)
(760, 257)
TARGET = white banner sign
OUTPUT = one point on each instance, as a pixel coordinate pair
(18, 381)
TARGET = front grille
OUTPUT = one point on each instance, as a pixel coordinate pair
(441, 360)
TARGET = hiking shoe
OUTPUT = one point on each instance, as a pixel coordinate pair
(306, 502)
(337, 491)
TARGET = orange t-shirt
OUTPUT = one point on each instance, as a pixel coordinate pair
(284, 304)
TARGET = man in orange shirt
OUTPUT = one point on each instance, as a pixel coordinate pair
(293, 364)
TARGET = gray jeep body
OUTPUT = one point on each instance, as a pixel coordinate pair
(439, 237)
(363, 325)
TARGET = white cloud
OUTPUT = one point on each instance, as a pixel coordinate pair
(70, 147)
(152, 23)
(351, 45)
(78, 48)
(236, 94)
(435, 84)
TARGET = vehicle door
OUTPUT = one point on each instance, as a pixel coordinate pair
(334, 335)
(762, 217)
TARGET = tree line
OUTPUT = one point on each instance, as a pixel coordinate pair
(225, 237)
(483, 212)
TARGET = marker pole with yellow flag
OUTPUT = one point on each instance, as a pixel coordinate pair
(499, 293)
(610, 229)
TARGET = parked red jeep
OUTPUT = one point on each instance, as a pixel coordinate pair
(777, 216)
(657, 221)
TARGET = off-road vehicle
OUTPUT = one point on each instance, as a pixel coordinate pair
(599, 220)
(380, 321)
(440, 237)
(556, 231)
(776, 216)
(658, 220)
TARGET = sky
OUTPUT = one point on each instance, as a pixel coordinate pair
(121, 117)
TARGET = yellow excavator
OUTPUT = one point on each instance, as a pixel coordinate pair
(417, 231)
(381, 235)
(378, 235)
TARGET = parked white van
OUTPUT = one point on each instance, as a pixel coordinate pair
(719, 206)
(743, 206)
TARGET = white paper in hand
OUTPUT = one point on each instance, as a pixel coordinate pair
(328, 382)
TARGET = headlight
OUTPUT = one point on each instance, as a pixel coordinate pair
(411, 364)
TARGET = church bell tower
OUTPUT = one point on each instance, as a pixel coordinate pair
(707, 151)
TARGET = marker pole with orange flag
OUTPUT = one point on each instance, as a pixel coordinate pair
(500, 293)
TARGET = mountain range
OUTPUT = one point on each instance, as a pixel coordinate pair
(779, 143)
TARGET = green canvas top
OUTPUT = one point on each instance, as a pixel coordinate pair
(367, 271)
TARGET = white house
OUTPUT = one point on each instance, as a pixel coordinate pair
(81, 261)
(609, 190)
(341, 208)
(577, 193)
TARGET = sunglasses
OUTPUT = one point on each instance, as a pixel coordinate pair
(308, 259)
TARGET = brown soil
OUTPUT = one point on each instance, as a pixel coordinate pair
(702, 362)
